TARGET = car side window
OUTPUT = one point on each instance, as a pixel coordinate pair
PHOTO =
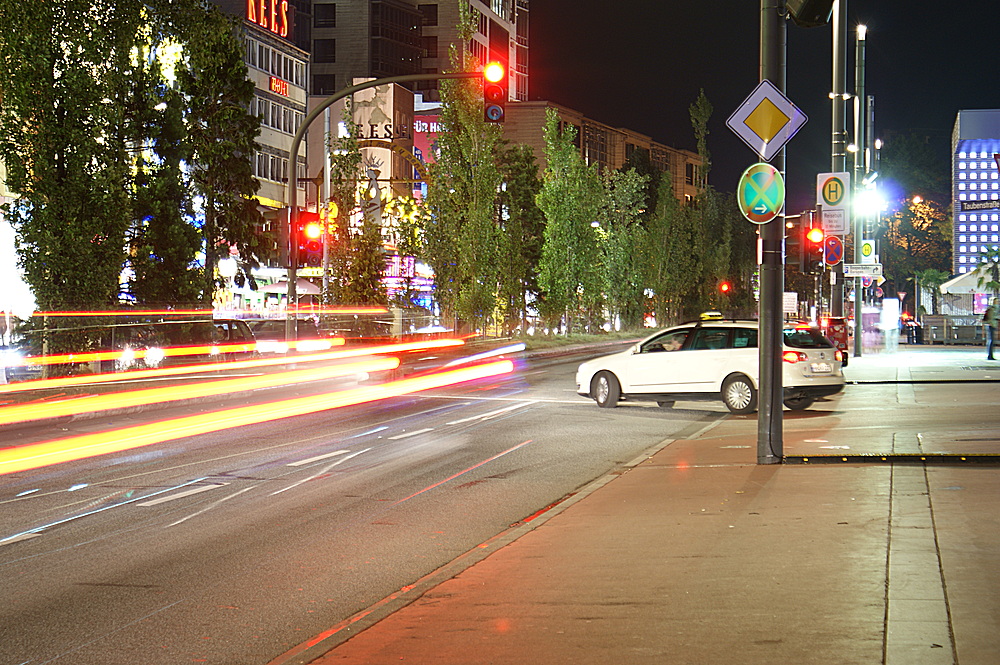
(744, 338)
(710, 339)
(671, 341)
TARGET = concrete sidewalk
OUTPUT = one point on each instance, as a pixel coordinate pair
(696, 554)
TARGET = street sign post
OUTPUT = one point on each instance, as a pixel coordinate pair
(862, 270)
(761, 193)
(766, 120)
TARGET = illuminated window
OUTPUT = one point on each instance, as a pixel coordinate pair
(961, 176)
(972, 165)
(962, 248)
(961, 238)
(984, 165)
(961, 259)
(972, 186)
(961, 197)
(961, 155)
(961, 186)
(974, 238)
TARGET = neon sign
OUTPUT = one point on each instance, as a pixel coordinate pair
(279, 86)
(270, 14)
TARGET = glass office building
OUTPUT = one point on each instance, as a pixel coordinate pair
(975, 187)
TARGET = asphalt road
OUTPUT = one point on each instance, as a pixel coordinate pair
(234, 547)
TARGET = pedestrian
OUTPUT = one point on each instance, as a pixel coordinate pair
(990, 326)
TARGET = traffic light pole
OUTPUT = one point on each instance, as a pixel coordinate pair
(292, 193)
(772, 274)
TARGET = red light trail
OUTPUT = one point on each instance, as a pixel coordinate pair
(36, 455)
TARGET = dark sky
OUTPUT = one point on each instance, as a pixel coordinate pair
(640, 64)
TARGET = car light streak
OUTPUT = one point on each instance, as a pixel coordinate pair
(19, 413)
(178, 370)
(33, 456)
(471, 468)
(512, 348)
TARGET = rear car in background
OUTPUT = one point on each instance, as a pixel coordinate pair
(713, 360)
(271, 336)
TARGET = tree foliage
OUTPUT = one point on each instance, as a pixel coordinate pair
(462, 238)
(569, 273)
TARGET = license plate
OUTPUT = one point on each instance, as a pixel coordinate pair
(821, 368)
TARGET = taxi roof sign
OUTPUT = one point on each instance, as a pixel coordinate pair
(766, 120)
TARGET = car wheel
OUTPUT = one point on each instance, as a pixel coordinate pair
(665, 405)
(739, 395)
(799, 403)
(606, 390)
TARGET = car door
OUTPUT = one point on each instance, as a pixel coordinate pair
(651, 368)
(705, 357)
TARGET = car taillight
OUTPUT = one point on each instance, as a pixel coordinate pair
(794, 356)
(838, 355)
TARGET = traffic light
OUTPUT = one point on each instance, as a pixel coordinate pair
(725, 287)
(309, 236)
(813, 250)
(494, 92)
(793, 242)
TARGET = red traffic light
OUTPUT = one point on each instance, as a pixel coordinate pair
(493, 72)
(815, 235)
(725, 287)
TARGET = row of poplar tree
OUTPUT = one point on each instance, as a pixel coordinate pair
(122, 156)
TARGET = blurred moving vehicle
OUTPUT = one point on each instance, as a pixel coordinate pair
(710, 360)
(16, 364)
(189, 342)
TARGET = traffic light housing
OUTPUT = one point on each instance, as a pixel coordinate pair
(793, 243)
(813, 249)
(494, 92)
(309, 239)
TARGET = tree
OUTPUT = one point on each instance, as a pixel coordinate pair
(522, 234)
(569, 271)
(462, 237)
(916, 238)
(930, 279)
(63, 145)
(669, 256)
(222, 135)
(621, 234)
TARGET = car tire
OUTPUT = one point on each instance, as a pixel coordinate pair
(665, 404)
(799, 403)
(605, 390)
(739, 395)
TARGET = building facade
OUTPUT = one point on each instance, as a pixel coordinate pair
(975, 142)
(609, 147)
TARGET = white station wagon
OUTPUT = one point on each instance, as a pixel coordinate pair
(713, 360)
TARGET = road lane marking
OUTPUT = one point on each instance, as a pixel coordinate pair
(303, 462)
(405, 435)
(492, 414)
(319, 473)
(180, 495)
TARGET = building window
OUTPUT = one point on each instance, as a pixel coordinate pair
(324, 50)
(689, 173)
(324, 84)
(428, 14)
(429, 46)
(324, 15)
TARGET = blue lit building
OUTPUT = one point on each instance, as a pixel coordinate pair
(975, 176)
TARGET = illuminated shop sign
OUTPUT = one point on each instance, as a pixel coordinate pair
(270, 14)
(979, 205)
(279, 86)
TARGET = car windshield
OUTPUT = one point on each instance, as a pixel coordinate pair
(805, 338)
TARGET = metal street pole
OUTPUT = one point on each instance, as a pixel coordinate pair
(772, 268)
(292, 191)
(859, 158)
(838, 145)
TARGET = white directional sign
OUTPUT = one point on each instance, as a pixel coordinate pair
(862, 270)
(766, 120)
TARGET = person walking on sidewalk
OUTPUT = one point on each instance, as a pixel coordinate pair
(990, 325)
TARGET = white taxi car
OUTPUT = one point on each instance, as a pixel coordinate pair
(713, 360)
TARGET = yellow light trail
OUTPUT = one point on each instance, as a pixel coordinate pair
(33, 456)
(111, 377)
(20, 413)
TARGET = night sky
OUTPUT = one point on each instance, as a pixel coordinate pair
(639, 64)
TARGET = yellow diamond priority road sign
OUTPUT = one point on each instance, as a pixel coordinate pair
(766, 120)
